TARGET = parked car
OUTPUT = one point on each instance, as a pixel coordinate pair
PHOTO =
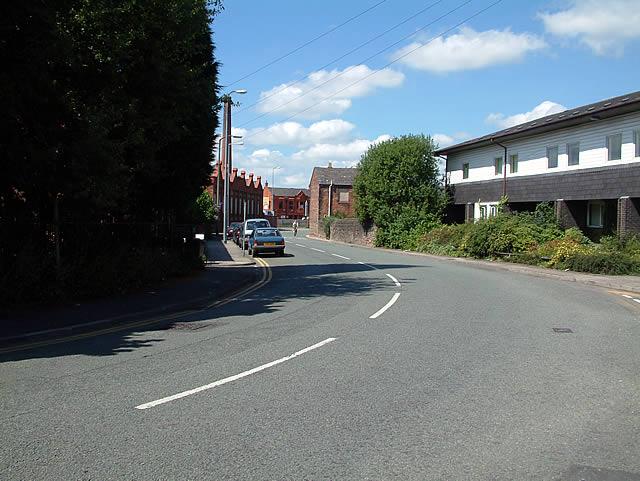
(266, 240)
(249, 226)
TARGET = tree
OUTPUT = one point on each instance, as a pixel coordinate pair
(398, 189)
(203, 210)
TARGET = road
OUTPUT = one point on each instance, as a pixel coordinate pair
(350, 363)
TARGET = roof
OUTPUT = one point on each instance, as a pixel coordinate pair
(339, 175)
(288, 192)
(587, 113)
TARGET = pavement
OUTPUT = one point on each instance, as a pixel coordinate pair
(225, 271)
(629, 284)
(350, 363)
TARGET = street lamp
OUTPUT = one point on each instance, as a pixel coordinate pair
(227, 158)
(273, 175)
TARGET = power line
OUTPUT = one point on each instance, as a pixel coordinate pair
(479, 12)
(322, 35)
(348, 69)
(373, 39)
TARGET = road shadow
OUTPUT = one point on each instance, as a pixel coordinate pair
(308, 282)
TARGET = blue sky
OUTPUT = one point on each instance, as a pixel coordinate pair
(517, 61)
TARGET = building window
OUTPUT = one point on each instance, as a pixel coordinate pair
(483, 211)
(280, 204)
(493, 210)
(513, 163)
(573, 153)
(552, 157)
(497, 164)
(614, 146)
(636, 141)
(595, 214)
(290, 205)
(343, 197)
(465, 171)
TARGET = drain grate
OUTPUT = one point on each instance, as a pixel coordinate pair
(562, 330)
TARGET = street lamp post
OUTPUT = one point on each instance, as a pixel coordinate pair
(273, 175)
(227, 137)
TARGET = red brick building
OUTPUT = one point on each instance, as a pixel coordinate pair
(286, 203)
(331, 192)
(242, 188)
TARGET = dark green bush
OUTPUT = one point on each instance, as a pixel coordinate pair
(328, 220)
(615, 263)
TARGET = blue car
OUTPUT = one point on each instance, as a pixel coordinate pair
(266, 240)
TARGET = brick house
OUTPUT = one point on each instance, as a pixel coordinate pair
(585, 160)
(288, 203)
(331, 192)
(242, 187)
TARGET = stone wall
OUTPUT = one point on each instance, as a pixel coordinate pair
(350, 230)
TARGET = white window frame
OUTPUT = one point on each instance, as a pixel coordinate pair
(468, 170)
(550, 147)
(343, 197)
(569, 145)
(609, 138)
(600, 204)
(483, 212)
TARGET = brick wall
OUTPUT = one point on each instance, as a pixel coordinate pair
(628, 215)
(352, 231)
(314, 206)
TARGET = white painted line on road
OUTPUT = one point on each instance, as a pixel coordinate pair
(627, 296)
(636, 300)
(233, 378)
(386, 306)
(341, 257)
(317, 250)
(395, 281)
(300, 245)
(361, 263)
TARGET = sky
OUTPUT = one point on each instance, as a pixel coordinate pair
(368, 70)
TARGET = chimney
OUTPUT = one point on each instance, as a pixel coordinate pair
(259, 179)
(330, 165)
(242, 173)
(234, 172)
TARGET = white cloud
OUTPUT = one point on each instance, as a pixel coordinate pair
(296, 134)
(470, 50)
(541, 110)
(345, 154)
(285, 99)
(604, 26)
(444, 140)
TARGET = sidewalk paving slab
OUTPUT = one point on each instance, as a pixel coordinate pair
(220, 278)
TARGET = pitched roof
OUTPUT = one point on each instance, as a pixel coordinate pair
(339, 175)
(288, 192)
(587, 113)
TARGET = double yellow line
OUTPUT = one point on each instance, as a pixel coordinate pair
(266, 276)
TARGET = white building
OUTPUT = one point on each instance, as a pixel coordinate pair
(586, 160)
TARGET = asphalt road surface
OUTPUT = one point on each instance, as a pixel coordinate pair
(352, 364)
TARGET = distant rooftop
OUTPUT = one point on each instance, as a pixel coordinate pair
(587, 113)
(289, 191)
(339, 175)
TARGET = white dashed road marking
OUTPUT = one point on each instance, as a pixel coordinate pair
(395, 281)
(627, 296)
(317, 250)
(233, 378)
(341, 257)
(386, 306)
(300, 245)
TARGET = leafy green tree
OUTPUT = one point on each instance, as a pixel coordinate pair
(398, 189)
(203, 210)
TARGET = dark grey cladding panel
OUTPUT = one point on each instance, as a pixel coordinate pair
(598, 183)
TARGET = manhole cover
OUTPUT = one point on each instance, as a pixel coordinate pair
(562, 330)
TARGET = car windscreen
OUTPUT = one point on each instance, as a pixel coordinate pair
(250, 225)
(262, 223)
(267, 233)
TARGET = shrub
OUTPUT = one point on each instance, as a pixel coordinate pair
(617, 263)
(328, 220)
